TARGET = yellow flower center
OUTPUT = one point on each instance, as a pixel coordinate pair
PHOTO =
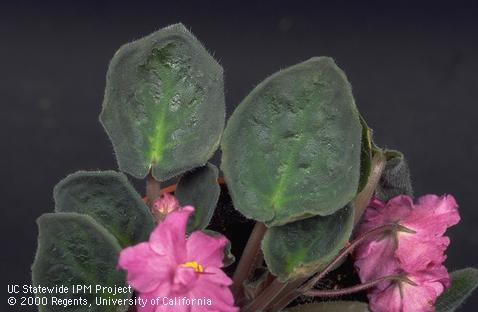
(193, 264)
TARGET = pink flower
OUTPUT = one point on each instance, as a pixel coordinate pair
(417, 292)
(415, 250)
(164, 205)
(172, 266)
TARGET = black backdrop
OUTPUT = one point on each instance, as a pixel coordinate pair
(413, 68)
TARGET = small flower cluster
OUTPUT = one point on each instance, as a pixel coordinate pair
(414, 251)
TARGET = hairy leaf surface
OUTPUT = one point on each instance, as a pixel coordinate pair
(463, 283)
(163, 107)
(199, 188)
(291, 149)
(300, 248)
(74, 249)
(109, 198)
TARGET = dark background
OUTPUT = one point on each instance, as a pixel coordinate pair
(413, 67)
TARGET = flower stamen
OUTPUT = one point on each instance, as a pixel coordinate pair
(193, 264)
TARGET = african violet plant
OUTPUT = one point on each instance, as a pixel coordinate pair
(297, 158)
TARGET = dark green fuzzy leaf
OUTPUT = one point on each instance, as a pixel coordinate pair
(164, 104)
(229, 258)
(199, 188)
(395, 178)
(365, 155)
(291, 149)
(74, 249)
(331, 306)
(107, 197)
(300, 248)
(463, 283)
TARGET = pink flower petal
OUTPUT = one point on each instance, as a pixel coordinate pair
(169, 236)
(164, 205)
(184, 279)
(205, 249)
(442, 210)
(375, 258)
(146, 271)
(388, 299)
(399, 207)
(416, 255)
(220, 296)
(379, 213)
(419, 298)
(165, 306)
(405, 297)
(216, 276)
(148, 307)
(435, 276)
